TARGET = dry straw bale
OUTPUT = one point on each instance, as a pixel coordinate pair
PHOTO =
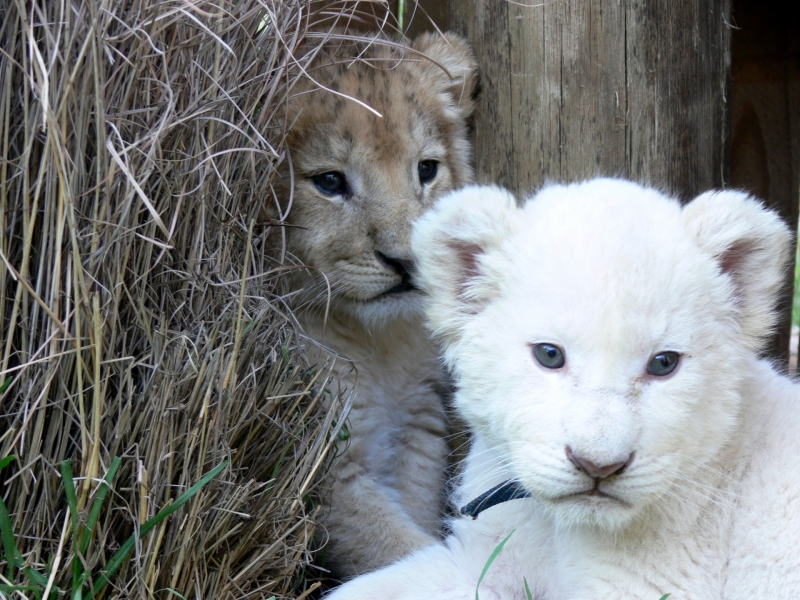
(141, 313)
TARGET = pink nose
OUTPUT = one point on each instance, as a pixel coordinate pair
(598, 471)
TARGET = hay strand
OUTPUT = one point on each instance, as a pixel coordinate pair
(145, 342)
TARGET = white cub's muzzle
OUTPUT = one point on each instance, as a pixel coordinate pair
(582, 468)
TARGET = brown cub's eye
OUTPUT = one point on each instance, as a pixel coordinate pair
(427, 170)
(331, 183)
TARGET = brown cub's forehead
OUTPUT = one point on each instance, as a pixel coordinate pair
(330, 125)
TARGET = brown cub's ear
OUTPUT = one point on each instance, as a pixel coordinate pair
(451, 243)
(751, 245)
(452, 70)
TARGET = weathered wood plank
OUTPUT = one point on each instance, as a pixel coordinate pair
(579, 88)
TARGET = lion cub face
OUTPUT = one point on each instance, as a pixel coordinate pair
(361, 179)
(598, 333)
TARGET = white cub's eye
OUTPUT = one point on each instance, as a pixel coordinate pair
(549, 356)
(663, 363)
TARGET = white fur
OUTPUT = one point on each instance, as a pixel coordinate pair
(613, 273)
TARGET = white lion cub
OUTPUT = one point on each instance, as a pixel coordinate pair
(605, 344)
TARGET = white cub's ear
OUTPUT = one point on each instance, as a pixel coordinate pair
(452, 52)
(752, 246)
(450, 242)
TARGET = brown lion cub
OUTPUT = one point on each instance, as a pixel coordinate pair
(360, 181)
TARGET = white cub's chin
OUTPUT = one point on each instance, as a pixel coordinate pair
(589, 510)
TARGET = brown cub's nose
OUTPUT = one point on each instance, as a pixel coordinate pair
(598, 471)
(404, 268)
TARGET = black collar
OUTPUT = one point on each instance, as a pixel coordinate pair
(508, 490)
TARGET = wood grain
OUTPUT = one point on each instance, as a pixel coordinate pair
(580, 88)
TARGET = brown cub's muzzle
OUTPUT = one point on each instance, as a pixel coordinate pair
(402, 267)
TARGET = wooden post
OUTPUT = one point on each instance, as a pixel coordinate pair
(580, 88)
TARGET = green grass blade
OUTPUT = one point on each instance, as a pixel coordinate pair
(5, 385)
(39, 582)
(498, 549)
(664, 597)
(79, 576)
(36, 578)
(94, 514)
(69, 491)
(9, 545)
(72, 502)
(274, 475)
(120, 555)
(247, 329)
(77, 593)
(528, 594)
(8, 589)
(181, 596)
(277, 467)
(6, 532)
